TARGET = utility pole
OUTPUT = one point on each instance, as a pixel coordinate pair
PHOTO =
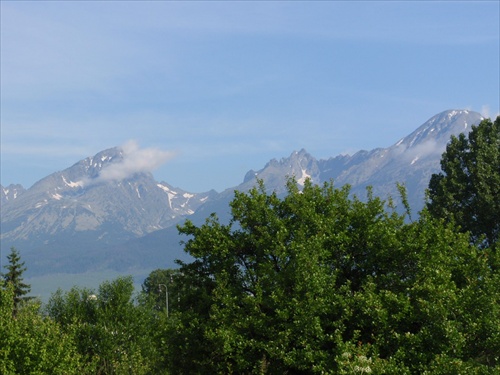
(166, 295)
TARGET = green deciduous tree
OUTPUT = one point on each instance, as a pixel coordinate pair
(163, 283)
(467, 191)
(14, 276)
(319, 282)
(33, 344)
(112, 332)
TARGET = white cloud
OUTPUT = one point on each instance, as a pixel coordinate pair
(425, 149)
(135, 160)
(485, 111)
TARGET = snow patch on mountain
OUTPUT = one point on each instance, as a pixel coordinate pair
(10, 193)
(71, 183)
(302, 179)
(164, 188)
(42, 203)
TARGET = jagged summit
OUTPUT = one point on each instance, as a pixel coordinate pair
(300, 165)
(105, 198)
(10, 193)
(441, 126)
(82, 173)
(111, 200)
(411, 160)
(93, 165)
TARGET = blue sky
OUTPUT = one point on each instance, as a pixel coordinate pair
(223, 87)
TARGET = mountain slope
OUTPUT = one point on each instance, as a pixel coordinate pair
(411, 161)
(94, 215)
(82, 207)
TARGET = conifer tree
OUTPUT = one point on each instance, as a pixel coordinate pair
(14, 276)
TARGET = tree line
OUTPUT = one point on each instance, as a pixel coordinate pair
(315, 282)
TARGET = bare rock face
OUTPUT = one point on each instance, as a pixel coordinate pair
(79, 203)
(100, 213)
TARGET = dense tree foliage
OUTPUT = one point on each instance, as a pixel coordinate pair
(163, 287)
(14, 277)
(31, 343)
(112, 333)
(318, 282)
(467, 191)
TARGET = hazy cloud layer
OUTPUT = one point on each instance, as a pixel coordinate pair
(423, 150)
(135, 160)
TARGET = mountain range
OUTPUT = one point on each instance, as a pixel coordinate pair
(92, 217)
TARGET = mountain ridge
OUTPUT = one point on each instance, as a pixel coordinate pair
(101, 213)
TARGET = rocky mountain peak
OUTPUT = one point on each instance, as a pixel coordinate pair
(109, 199)
(91, 167)
(10, 193)
(440, 127)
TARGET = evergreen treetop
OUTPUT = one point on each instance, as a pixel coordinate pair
(14, 276)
